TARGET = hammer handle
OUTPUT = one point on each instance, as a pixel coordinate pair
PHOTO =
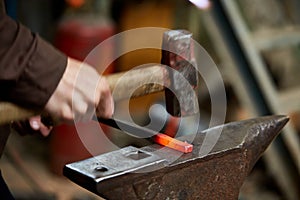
(140, 80)
(10, 112)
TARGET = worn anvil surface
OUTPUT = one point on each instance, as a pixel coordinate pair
(151, 172)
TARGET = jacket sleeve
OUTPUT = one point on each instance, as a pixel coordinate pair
(30, 68)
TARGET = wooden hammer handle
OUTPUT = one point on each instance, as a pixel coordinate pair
(10, 112)
(140, 80)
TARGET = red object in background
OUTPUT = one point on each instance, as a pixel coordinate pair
(66, 147)
(75, 3)
(76, 38)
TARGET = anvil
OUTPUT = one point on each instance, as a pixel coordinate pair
(156, 172)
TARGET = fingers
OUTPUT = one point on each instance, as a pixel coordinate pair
(80, 107)
(80, 93)
(31, 126)
(105, 108)
(105, 105)
(35, 122)
(37, 125)
(44, 130)
(91, 93)
(96, 96)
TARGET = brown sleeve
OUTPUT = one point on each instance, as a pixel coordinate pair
(30, 68)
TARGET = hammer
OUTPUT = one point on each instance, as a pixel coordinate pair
(177, 72)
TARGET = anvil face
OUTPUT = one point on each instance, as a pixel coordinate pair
(151, 172)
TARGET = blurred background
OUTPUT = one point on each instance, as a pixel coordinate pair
(254, 43)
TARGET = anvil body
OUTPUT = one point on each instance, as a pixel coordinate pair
(155, 172)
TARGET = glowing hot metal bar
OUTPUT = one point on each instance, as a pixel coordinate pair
(172, 143)
(143, 132)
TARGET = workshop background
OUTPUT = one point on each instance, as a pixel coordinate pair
(254, 43)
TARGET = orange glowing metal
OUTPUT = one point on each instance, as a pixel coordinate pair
(173, 143)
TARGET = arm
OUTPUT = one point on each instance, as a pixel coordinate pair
(75, 99)
(35, 75)
(30, 68)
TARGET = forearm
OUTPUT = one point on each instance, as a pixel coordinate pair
(30, 68)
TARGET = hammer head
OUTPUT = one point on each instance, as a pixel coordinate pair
(177, 55)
